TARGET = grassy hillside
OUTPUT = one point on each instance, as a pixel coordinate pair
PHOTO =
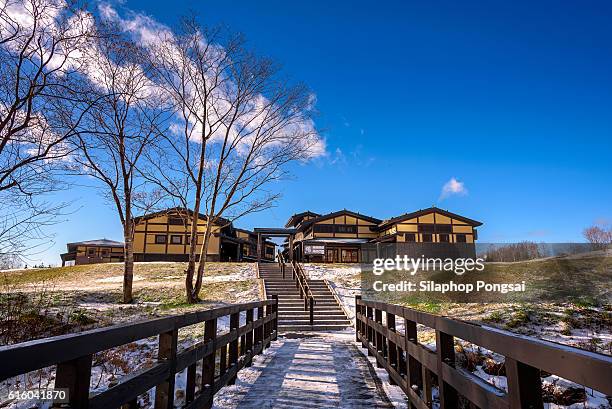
(50, 301)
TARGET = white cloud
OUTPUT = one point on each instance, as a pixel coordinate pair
(453, 187)
(152, 34)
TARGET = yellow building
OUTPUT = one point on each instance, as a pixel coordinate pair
(164, 236)
(339, 236)
(93, 251)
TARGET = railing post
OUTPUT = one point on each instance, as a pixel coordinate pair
(378, 337)
(208, 363)
(445, 350)
(414, 369)
(75, 375)
(249, 336)
(191, 383)
(222, 360)
(268, 327)
(259, 331)
(166, 351)
(357, 321)
(275, 311)
(392, 348)
(369, 330)
(524, 385)
(311, 311)
(233, 346)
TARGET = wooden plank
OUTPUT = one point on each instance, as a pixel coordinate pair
(473, 388)
(166, 352)
(524, 385)
(75, 375)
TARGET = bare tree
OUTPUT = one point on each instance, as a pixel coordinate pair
(40, 44)
(237, 127)
(124, 121)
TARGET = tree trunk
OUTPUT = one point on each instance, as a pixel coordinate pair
(128, 271)
(203, 260)
(192, 260)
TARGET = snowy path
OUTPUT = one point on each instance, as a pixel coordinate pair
(325, 370)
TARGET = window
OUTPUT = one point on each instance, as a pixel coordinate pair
(460, 238)
(337, 228)
(426, 228)
(187, 239)
(410, 237)
(176, 221)
(427, 238)
(91, 252)
(160, 239)
(270, 250)
(346, 228)
(176, 239)
(323, 228)
(443, 238)
(104, 252)
(444, 228)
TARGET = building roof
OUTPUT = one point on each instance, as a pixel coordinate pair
(297, 218)
(422, 212)
(99, 242)
(180, 211)
(339, 213)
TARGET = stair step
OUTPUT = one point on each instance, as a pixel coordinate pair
(316, 327)
(316, 322)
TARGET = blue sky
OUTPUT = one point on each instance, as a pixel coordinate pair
(512, 99)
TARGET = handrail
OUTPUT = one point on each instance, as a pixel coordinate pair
(411, 366)
(281, 262)
(73, 353)
(304, 288)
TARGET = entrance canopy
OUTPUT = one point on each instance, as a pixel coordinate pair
(273, 232)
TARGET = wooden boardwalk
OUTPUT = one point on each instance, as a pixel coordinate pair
(321, 371)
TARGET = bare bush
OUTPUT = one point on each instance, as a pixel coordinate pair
(514, 252)
(598, 236)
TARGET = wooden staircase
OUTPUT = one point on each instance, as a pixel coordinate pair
(293, 313)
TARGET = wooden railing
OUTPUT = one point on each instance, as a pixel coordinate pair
(305, 293)
(412, 366)
(72, 354)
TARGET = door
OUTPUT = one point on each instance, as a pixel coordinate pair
(350, 255)
(331, 255)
